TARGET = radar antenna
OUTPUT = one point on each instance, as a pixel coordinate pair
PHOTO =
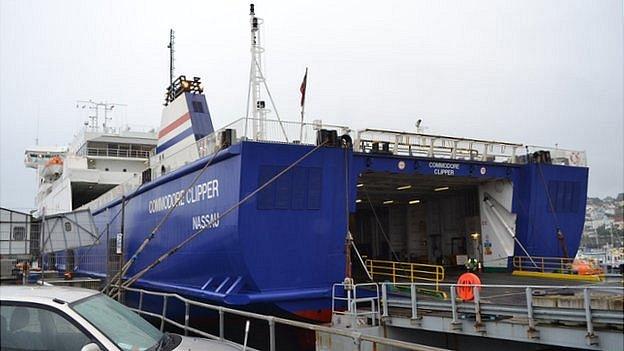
(256, 82)
(94, 114)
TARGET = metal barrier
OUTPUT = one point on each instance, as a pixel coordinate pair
(274, 131)
(399, 143)
(558, 265)
(454, 148)
(355, 336)
(406, 272)
(438, 146)
(371, 297)
(111, 152)
(585, 305)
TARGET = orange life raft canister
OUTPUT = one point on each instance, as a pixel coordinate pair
(466, 283)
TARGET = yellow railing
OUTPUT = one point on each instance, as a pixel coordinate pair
(401, 272)
(559, 265)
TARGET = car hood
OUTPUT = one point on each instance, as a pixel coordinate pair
(199, 344)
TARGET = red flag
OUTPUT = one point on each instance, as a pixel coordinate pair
(302, 89)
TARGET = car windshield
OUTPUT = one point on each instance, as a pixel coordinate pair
(121, 325)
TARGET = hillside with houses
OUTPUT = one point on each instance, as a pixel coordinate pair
(604, 222)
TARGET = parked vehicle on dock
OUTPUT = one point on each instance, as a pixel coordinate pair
(67, 319)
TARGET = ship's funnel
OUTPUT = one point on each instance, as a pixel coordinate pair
(185, 118)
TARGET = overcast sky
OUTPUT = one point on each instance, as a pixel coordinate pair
(535, 72)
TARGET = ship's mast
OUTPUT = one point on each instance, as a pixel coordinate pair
(256, 79)
(256, 82)
(171, 53)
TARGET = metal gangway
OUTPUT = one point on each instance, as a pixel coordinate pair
(584, 316)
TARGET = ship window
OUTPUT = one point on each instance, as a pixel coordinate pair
(106, 169)
(19, 233)
(198, 107)
(125, 170)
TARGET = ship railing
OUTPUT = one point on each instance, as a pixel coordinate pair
(367, 140)
(585, 306)
(437, 146)
(130, 130)
(345, 301)
(564, 157)
(273, 131)
(581, 305)
(114, 152)
(396, 272)
(454, 148)
(285, 131)
(119, 129)
(168, 299)
(557, 265)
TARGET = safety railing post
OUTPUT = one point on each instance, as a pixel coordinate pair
(412, 272)
(141, 300)
(373, 312)
(186, 317)
(543, 269)
(430, 154)
(378, 316)
(592, 339)
(349, 305)
(355, 313)
(164, 313)
(384, 300)
(414, 302)
(271, 334)
(439, 277)
(455, 324)
(221, 325)
(531, 332)
(477, 307)
(357, 342)
(394, 272)
(333, 298)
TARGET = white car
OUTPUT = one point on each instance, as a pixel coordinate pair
(55, 318)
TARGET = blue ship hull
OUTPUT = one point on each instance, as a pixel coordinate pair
(283, 249)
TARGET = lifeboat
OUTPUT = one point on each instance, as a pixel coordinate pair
(53, 168)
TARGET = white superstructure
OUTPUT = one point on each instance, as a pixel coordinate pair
(99, 158)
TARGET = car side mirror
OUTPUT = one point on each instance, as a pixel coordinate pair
(91, 347)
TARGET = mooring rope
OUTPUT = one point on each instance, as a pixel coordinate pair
(117, 278)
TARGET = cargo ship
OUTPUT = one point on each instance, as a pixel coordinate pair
(266, 215)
